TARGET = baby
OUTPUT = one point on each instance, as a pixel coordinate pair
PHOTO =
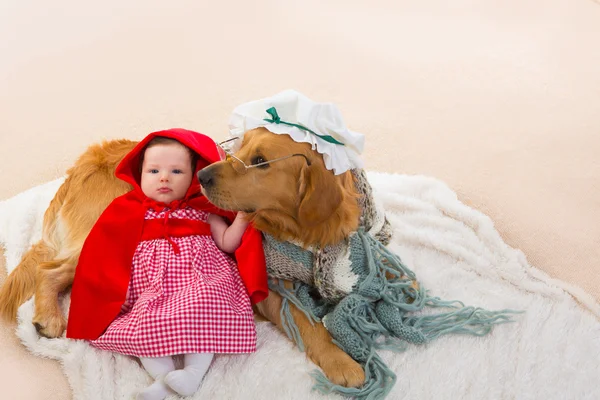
(184, 294)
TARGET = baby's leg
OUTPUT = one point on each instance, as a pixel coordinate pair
(157, 368)
(186, 381)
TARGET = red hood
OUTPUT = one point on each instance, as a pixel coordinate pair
(208, 153)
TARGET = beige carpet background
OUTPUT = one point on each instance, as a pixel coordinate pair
(500, 99)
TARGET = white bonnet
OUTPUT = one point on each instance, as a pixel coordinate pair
(306, 121)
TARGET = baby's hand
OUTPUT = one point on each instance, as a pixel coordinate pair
(242, 215)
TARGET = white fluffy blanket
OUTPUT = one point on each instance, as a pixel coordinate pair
(550, 352)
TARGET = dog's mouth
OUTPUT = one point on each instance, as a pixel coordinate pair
(224, 200)
(210, 182)
(214, 197)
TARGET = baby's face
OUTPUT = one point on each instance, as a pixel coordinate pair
(166, 172)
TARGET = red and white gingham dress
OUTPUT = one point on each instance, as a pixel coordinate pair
(191, 302)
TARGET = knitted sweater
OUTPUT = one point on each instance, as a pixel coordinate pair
(361, 292)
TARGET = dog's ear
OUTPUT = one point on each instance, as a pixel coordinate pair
(320, 195)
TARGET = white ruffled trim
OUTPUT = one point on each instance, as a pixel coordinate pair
(322, 118)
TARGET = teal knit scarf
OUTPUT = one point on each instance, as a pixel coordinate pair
(366, 298)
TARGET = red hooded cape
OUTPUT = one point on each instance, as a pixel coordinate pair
(103, 273)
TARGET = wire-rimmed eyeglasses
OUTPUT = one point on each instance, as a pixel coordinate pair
(241, 167)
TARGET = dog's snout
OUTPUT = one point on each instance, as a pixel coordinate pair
(205, 177)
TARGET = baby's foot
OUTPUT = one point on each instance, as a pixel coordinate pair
(157, 391)
(184, 381)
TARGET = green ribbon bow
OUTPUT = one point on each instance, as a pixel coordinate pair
(276, 120)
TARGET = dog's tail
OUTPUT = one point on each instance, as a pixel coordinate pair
(20, 284)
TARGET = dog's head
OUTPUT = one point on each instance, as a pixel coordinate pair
(296, 198)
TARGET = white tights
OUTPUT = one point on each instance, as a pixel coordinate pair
(168, 380)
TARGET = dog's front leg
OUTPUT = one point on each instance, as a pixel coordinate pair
(52, 278)
(338, 366)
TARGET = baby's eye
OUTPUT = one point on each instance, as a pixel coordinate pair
(153, 171)
(177, 171)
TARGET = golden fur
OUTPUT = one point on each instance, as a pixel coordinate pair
(49, 266)
(288, 199)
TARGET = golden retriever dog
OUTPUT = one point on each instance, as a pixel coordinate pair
(293, 199)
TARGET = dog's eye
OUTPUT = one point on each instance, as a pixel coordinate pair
(259, 160)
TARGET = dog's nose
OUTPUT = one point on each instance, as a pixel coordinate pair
(205, 178)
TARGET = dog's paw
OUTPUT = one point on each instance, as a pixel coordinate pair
(343, 370)
(50, 327)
